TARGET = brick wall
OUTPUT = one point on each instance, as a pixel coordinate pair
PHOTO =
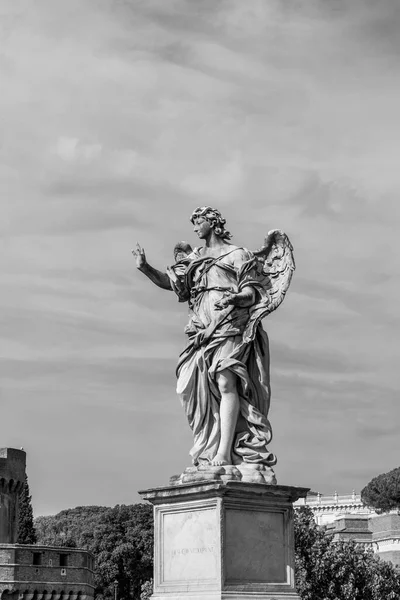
(56, 569)
(12, 464)
(12, 475)
(385, 523)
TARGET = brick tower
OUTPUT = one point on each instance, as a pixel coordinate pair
(12, 476)
(31, 571)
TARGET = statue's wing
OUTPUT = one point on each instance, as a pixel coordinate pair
(182, 251)
(275, 266)
(176, 273)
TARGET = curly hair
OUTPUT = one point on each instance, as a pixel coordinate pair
(214, 217)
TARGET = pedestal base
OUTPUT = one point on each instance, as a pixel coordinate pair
(244, 472)
(220, 540)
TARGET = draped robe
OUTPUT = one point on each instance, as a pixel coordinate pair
(202, 281)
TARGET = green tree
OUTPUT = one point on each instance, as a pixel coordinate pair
(146, 590)
(121, 539)
(383, 492)
(26, 529)
(329, 570)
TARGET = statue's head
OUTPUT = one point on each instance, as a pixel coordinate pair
(214, 217)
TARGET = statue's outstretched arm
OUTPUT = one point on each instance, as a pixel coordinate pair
(157, 277)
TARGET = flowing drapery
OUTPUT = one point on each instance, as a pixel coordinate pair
(215, 344)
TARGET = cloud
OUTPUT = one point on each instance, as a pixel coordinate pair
(71, 149)
(220, 185)
(122, 116)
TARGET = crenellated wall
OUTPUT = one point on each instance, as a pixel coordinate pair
(12, 476)
(45, 573)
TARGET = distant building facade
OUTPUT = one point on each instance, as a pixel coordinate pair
(327, 509)
(347, 519)
(35, 572)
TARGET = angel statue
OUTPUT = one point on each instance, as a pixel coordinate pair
(223, 373)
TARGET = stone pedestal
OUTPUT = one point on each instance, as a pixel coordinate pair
(219, 540)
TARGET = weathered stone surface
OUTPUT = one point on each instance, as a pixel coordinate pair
(189, 545)
(254, 548)
(220, 539)
(223, 373)
(244, 472)
(12, 475)
(20, 577)
(385, 530)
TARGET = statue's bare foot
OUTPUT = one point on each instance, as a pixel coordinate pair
(219, 460)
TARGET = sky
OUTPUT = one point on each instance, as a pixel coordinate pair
(117, 119)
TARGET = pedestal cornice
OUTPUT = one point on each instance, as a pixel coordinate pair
(208, 489)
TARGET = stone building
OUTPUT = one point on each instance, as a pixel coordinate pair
(12, 476)
(327, 509)
(35, 572)
(346, 518)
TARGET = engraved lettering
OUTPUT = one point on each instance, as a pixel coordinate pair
(185, 551)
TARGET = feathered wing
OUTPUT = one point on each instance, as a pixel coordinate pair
(182, 251)
(275, 266)
(176, 273)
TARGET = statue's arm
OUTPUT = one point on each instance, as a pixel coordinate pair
(160, 279)
(246, 297)
(157, 277)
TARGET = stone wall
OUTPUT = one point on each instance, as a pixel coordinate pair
(12, 476)
(386, 536)
(351, 527)
(43, 570)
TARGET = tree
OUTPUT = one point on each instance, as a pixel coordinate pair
(329, 570)
(121, 539)
(383, 492)
(146, 590)
(26, 529)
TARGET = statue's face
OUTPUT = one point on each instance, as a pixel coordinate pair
(202, 227)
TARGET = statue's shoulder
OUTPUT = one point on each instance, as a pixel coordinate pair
(195, 254)
(244, 251)
(240, 254)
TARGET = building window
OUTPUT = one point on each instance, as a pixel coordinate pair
(63, 560)
(37, 558)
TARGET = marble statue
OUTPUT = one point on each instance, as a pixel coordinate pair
(223, 373)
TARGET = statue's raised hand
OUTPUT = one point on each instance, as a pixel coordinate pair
(140, 256)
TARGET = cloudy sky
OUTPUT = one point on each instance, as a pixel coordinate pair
(118, 118)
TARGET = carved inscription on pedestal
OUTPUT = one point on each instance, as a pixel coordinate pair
(189, 546)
